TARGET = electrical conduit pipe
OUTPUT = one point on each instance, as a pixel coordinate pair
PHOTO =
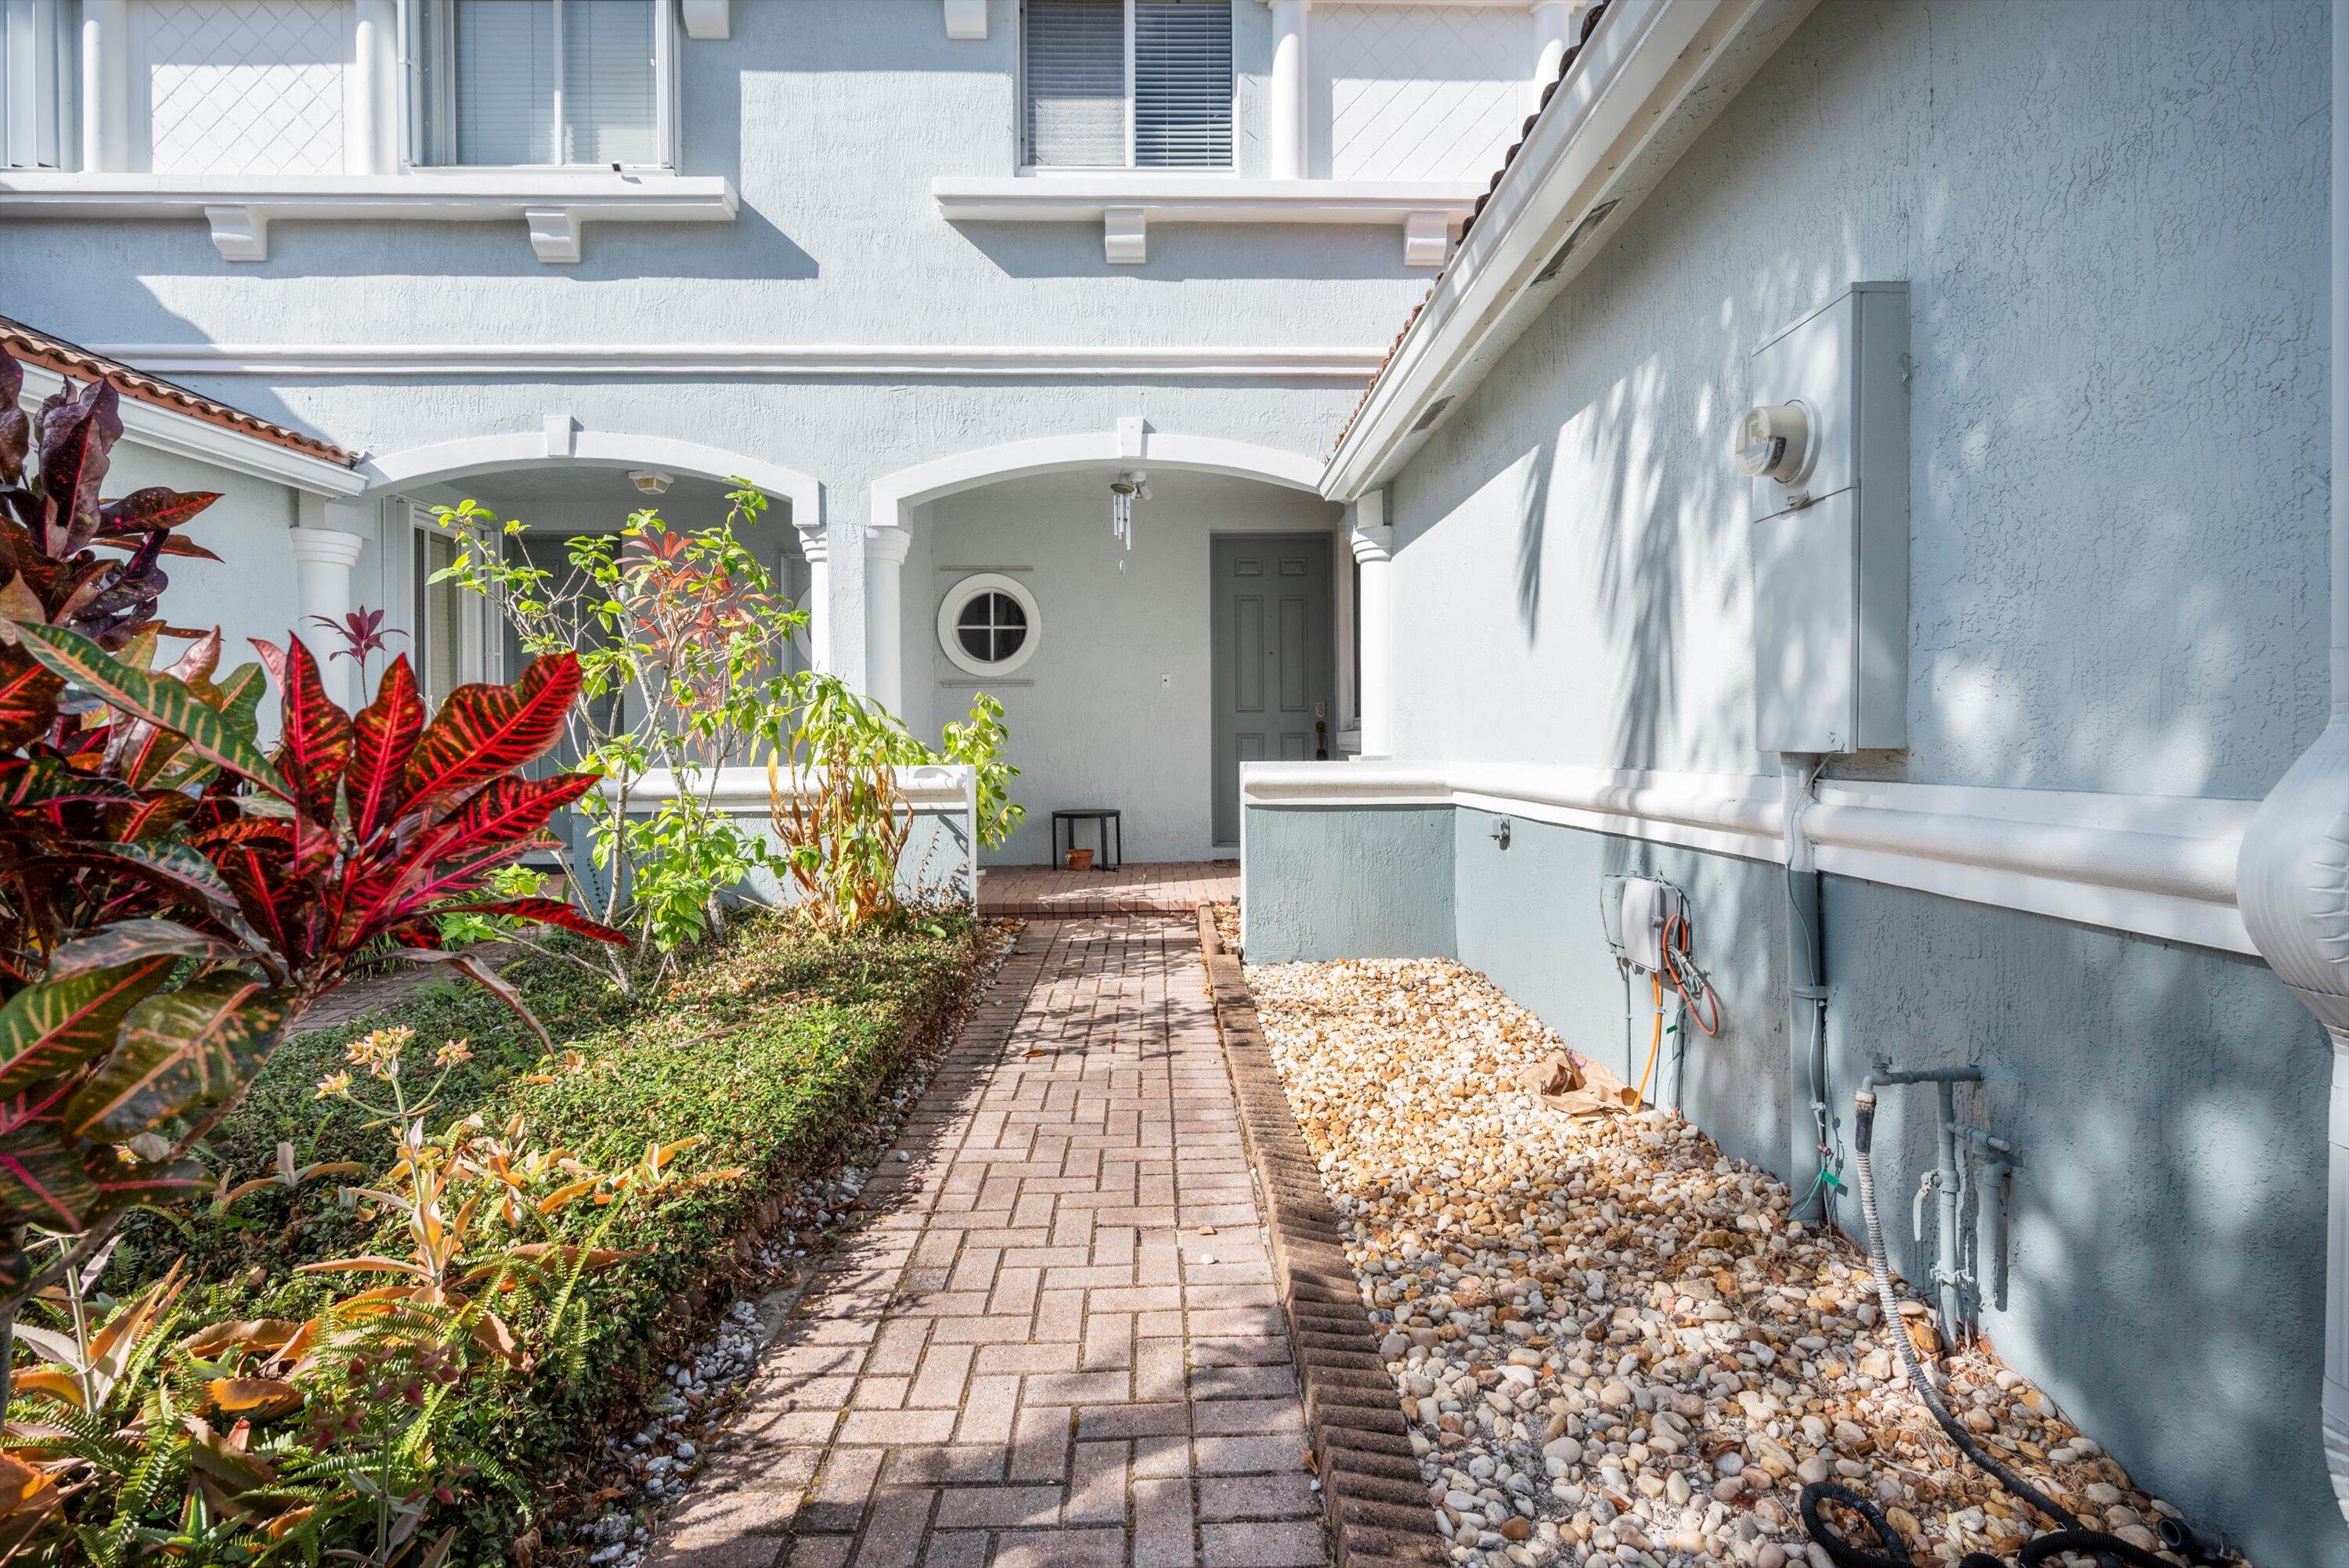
(2292, 878)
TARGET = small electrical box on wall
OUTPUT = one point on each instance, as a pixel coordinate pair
(1825, 446)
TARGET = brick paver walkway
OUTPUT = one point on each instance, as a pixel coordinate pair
(1058, 1345)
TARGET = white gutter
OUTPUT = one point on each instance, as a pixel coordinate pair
(1648, 78)
(2294, 873)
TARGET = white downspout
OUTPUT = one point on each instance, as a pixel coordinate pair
(2292, 880)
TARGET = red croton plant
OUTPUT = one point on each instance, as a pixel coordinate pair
(172, 897)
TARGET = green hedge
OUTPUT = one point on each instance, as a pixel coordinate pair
(770, 1044)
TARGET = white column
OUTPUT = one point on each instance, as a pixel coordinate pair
(105, 86)
(884, 621)
(818, 603)
(1556, 23)
(373, 145)
(1373, 542)
(323, 557)
(1288, 128)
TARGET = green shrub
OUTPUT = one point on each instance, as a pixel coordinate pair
(767, 1046)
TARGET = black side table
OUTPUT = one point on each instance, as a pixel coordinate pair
(1105, 821)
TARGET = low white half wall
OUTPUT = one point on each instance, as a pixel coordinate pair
(940, 859)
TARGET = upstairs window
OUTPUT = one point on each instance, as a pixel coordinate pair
(38, 71)
(537, 82)
(1127, 84)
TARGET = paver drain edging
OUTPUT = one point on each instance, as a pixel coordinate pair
(1370, 1484)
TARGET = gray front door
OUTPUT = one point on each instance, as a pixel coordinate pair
(1274, 682)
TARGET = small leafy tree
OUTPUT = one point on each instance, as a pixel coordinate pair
(677, 635)
(835, 803)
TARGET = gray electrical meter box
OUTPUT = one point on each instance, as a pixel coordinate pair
(1827, 446)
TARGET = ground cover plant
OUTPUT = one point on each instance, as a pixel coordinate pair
(686, 1114)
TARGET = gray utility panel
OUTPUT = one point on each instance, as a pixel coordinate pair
(1274, 658)
(1831, 537)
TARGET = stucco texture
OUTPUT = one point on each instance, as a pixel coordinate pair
(2111, 216)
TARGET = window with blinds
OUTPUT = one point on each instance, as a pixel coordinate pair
(38, 67)
(542, 82)
(1181, 84)
(1116, 84)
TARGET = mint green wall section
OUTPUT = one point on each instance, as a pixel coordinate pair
(1372, 882)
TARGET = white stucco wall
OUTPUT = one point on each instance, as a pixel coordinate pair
(251, 591)
(1112, 709)
(2111, 216)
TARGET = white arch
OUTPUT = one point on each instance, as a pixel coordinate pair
(1133, 444)
(560, 442)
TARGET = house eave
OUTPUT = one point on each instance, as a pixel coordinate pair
(183, 435)
(1650, 76)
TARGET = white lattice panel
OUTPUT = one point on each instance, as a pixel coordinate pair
(248, 86)
(1419, 92)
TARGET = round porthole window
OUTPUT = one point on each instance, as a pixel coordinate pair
(988, 624)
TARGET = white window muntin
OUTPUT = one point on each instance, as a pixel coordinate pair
(967, 593)
(436, 117)
(1127, 84)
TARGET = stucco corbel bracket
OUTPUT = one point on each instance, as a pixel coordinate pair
(1126, 236)
(554, 234)
(707, 18)
(1426, 239)
(965, 18)
(240, 234)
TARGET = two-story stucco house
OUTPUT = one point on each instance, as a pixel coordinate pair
(1944, 687)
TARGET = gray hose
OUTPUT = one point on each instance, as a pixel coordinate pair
(1863, 1135)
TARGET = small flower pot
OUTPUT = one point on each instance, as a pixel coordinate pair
(1081, 859)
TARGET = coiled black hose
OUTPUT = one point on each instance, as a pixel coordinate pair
(1891, 1551)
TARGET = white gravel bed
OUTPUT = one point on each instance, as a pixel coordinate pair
(1612, 1344)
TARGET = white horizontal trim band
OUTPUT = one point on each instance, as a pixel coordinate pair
(2160, 866)
(185, 435)
(755, 359)
(1192, 198)
(930, 789)
(554, 203)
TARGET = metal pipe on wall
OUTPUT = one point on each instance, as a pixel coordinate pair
(2292, 878)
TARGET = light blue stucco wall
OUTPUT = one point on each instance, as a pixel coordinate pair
(833, 117)
(2111, 215)
(2112, 220)
(1374, 883)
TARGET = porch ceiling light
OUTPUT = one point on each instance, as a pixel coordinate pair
(651, 482)
(1123, 492)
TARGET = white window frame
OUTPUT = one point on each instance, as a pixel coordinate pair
(427, 31)
(1197, 172)
(959, 596)
(476, 648)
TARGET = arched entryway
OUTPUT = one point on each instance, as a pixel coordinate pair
(1135, 677)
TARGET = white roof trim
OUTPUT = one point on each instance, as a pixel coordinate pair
(1650, 75)
(2160, 866)
(186, 436)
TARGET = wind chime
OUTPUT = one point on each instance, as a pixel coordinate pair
(1123, 491)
